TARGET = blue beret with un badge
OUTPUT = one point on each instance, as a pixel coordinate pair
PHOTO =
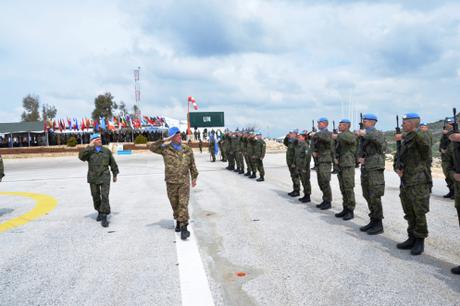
(370, 117)
(344, 120)
(323, 119)
(173, 131)
(411, 116)
(95, 136)
(423, 124)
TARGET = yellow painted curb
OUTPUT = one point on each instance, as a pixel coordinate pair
(43, 205)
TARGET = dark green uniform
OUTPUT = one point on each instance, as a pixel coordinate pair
(372, 171)
(247, 157)
(226, 147)
(258, 156)
(212, 144)
(2, 169)
(346, 157)
(453, 162)
(99, 175)
(415, 182)
(302, 163)
(233, 143)
(291, 143)
(250, 151)
(323, 148)
(239, 155)
(443, 146)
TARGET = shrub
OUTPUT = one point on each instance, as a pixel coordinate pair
(72, 141)
(140, 139)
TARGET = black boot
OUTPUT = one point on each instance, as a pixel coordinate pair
(99, 217)
(305, 199)
(335, 171)
(365, 228)
(326, 205)
(455, 270)
(247, 173)
(342, 213)
(408, 244)
(349, 215)
(241, 172)
(236, 170)
(295, 193)
(177, 229)
(320, 205)
(260, 179)
(253, 175)
(449, 195)
(376, 229)
(419, 246)
(184, 233)
(104, 221)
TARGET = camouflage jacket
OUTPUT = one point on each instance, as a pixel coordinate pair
(413, 157)
(98, 164)
(2, 168)
(259, 149)
(234, 144)
(251, 147)
(444, 144)
(302, 155)
(345, 150)
(244, 145)
(323, 146)
(290, 152)
(179, 165)
(430, 157)
(373, 150)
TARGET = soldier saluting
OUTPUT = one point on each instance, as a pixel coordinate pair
(179, 167)
(99, 159)
(411, 165)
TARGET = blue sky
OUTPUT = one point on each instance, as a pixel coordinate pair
(275, 65)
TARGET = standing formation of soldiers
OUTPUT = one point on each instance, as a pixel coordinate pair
(244, 150)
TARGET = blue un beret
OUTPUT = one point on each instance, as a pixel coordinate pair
(323, 119)
(173, 131)
(95, 136)
(411, 116)
(344, 120)
(370, 117)
(450, 120)
(258, 133)
(422, 123)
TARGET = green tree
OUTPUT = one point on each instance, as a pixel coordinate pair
(122, 110)
(103, 106)
(31, 105)
(49, 111)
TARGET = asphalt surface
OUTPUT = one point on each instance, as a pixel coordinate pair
(290, 253)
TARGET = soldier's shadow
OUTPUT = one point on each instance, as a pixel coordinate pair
(164, 223)
(284, 195)
(389, 246)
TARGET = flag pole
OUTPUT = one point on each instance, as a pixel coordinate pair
(188, 117)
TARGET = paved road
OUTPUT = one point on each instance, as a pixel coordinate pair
(291, 253)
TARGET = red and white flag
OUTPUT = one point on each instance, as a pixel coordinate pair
(192, 100)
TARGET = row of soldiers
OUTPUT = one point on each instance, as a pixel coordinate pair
(367, 147)
(243, 150)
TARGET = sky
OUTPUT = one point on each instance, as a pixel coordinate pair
(273, 65)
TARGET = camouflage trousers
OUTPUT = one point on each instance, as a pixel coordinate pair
(324, 180)
(258, 165)
(231, 159)
(179, 195)
(295, 177)
(223, 155)
(373, 186)
(448, 179)
(248, 161)
(305, 178)
(100, 194)
(457, 199)
(213, 155)
(415, 202)
(239, 160)
(346, 178)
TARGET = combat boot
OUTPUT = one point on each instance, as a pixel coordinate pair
(342, 213)
(419, 246)
(305, 199)
(449, 195)
(253, 176)
(184, 233)
(236, 170)
(349, 215)
(335, 171)
(104, 221)
(99, 217)
(260, 179)
(241, 172)
(408, 244)
(376, 229)
(295, 193)
(177, 229)
(247, 173)
(326, 205)
(455, 270)
(365, 228)
(320, 205)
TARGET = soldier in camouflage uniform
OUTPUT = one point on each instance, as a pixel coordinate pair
(302, 162)
(290, 141)
(212, 147)
(453, 154)
(345, 159)
(239, 154)
(443, 145)
(2, 169)
(231, 151)
(226, 146)
(251, 150)
(99, 159)
(258, 156)
(323, 148)
(221, 148)
(411, 166)
(247, 158)
(179, 167)
(372, 160)
(424, 129)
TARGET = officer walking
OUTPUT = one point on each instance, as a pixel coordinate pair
(372, 160)
(179, 167)
(323, 151)
(302, 162)
(258, 156)
(99, 159)
(345, 159)
(411, 166)
(2, 169)
(443, 145)
(290, 141)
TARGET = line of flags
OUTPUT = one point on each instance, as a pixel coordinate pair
(104, 124)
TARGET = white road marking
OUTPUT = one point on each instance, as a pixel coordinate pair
(193, 281)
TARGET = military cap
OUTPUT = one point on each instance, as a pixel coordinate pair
(344, 120)
(323, 119)
(411, 116)
(369, 116)
(258, 133)
(450, 120)
(303, 132)
(95, 136)
(173, 131)
(423, 124)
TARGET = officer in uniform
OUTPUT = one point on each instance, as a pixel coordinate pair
(2, 169)
(247, 157)
(179, 167)
(258, 156)
(454, 171)
(411, 166)
(232, 152)
(372, 160)
(443, 145)
(290, 141)
(302, 162)
(323, 151)
(345, 159)
(239, 154)
(251, 150)
(99, 159)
